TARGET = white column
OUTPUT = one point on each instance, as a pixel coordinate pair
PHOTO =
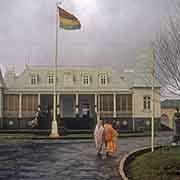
(39, 99)
(133, 110)
(95, 103)
(77, 103)
(114, 103)
(20, 105)
(61, 105)
(99, 103)
(1, 103)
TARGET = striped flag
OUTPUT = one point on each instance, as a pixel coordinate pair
(68, 21)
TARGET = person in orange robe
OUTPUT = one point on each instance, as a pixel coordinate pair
(110, 136)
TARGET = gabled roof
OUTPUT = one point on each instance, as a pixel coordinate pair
(170, 103)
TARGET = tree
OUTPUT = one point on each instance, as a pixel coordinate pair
(167, 52)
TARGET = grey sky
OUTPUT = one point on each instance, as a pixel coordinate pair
(113, 31)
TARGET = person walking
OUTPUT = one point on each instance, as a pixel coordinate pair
(99, 135)
(37, 118)
(110, 135)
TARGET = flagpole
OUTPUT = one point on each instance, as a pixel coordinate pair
(54, 128)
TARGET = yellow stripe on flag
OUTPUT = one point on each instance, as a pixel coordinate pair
(68, 21)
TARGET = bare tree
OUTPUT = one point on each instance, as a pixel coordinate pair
(167, 51)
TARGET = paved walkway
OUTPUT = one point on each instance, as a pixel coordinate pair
(64, 160)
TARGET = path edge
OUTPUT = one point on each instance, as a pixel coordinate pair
(127, 158)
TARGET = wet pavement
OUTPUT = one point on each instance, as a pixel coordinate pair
(64, 159)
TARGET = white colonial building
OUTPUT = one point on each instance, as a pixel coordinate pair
(82, 91)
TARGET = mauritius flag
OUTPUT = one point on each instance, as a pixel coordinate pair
(68, 21)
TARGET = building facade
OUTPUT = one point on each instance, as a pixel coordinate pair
(81, 92)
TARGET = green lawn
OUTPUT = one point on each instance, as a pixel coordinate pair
(36, 136)
(162, 164)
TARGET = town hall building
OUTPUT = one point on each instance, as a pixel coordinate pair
(82, 91)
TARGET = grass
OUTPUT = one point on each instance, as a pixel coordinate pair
(39, 136)
(162, 164)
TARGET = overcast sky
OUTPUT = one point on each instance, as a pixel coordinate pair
(113, 31)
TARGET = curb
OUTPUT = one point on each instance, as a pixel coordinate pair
(130, 156)
(70, 137)
(44, 138)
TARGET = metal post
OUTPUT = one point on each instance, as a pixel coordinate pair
(54, 128)
(152, 118)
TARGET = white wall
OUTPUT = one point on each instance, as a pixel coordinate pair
(1, 102)
(138, 110)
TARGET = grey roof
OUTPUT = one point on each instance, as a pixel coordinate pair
(118, 80)
(22, 80)
(140, 79)
(141, 75)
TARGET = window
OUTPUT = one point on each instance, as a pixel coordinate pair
(34, 79)
(29, 102)
(103, 79)
(85, 79)
(147, 102)
(106, 102)
(50, 79)
(124, 102)
(11, 102)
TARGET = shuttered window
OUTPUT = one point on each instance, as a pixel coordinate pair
(29, 102)
(123, 102)
(11, 102)
(106, 102)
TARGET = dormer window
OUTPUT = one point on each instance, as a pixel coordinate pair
(103, 79)
(85, 79)
(50, 79)
(34, 79)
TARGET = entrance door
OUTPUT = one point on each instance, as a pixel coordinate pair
(46, 101)
(85, 106)
(67, 106)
